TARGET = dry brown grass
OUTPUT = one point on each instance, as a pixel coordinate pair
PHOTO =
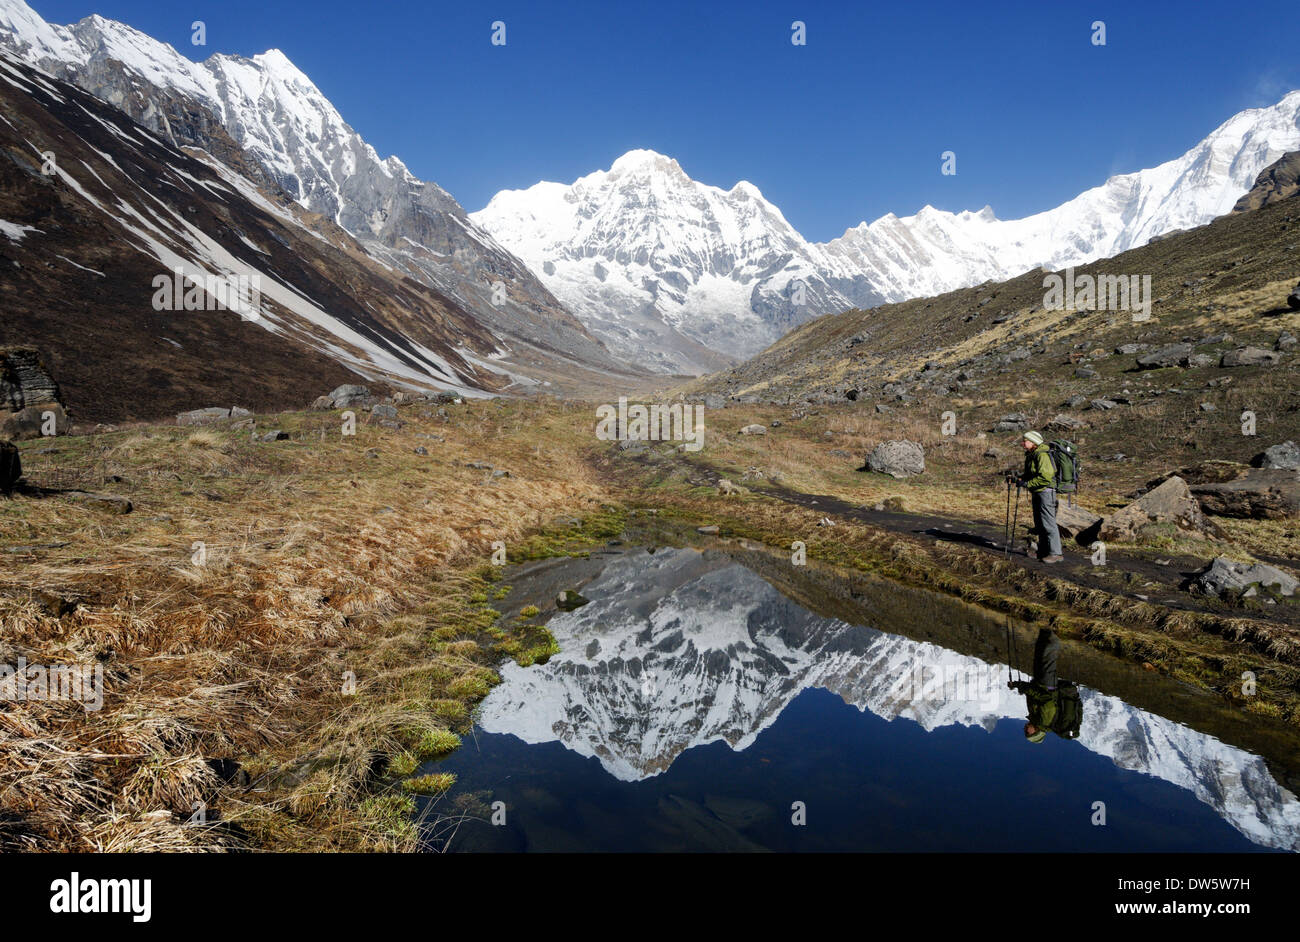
(318, 560)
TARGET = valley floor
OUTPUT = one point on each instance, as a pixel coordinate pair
(287, 628)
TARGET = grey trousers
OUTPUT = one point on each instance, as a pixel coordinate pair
(1044, 503)
(1047, 648)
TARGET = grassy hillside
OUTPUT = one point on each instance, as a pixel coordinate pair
(991, 350)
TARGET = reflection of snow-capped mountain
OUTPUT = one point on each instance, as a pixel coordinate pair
(678, 649)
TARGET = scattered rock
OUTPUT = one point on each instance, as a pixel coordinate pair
(709, 530)
(1207, 407)
(1102, 404)
(1259, 494)
(383, 411)
(881, 409)
(203, 416)
(1226, 578)
(1250, 356)
(1172, 355)
(29, 396)
(1171, 502)
(1076, 401)
(1064, 421)
(1086, 372)
(1076, 522)
(1285, 456)
(421, 451)
(1013, 422)
(1285, 341)
(897, 458)
(570, 599)
(349, 395)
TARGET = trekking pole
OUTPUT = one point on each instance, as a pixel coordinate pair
(1011, 644)
(1008, 650)
(1015, 518)
(1006, 523)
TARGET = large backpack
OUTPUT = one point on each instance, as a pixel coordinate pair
(1066, 463)
(1069, 710)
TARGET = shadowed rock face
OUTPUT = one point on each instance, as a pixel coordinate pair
(679, 649)
(1277, 181)
(24, 380)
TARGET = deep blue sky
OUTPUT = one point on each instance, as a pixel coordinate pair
(846, 128)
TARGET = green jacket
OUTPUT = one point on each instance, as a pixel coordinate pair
(1039, 473)
(1042, 703)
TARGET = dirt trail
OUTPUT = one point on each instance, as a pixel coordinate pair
(1139, 577)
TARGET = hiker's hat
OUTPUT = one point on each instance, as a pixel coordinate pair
(1034, 438)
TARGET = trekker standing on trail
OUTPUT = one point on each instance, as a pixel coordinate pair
(1039, 478)
(1051, 705)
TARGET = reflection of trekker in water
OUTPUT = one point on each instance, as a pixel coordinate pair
(1053, 705)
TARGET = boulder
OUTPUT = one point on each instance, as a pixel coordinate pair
(1076, 522)
(237, 413)
(383, 411)
(570, 599)
(203, 416)
(1223, 577)
(1171, 502)
(1012, 422)
(897, 458)
(25, 380)
(713, 402)
(276, 435)
(34, 422)
(349, 395)
(1259, 494)
(1213, 471)
(1172, 355)
(1066, 422)
(1250, 356)
(28, 396)
(322, 404)
(1285, 456)
(754, 429)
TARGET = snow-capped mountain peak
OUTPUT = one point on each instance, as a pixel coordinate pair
(662, 267)
(655, 262)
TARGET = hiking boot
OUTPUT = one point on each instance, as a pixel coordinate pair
(1053, 559)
